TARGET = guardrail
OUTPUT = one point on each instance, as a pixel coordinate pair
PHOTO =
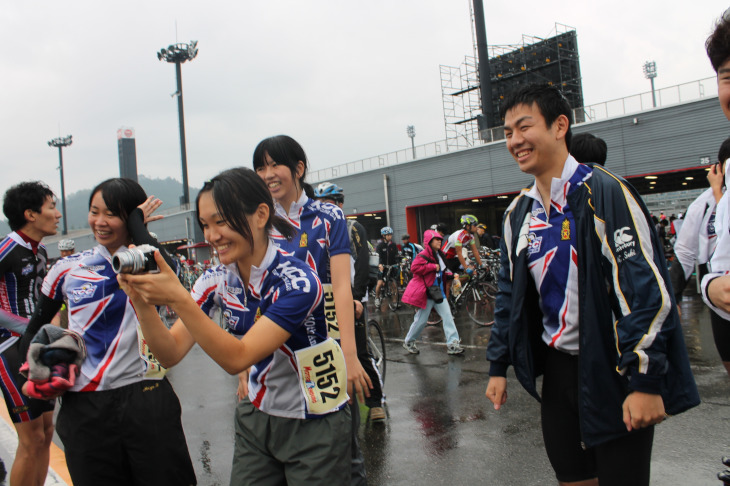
(668, 96)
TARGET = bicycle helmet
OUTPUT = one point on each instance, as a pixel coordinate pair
(482, 226)
(66, 245)
(469, 219)
(329, 190)
(386, 230)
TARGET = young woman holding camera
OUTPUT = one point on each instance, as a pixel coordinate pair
(293, 426)
(120, 423)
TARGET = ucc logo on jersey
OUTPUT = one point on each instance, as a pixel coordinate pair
(533, 243)
(303, 241)
(84, 292)
(565, 230)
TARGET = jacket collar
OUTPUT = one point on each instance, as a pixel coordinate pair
(559, 188)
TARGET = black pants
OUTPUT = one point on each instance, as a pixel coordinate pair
(127, 436)
(619, 462)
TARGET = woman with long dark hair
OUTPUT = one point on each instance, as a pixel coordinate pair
(322, 241)
(293, 426)
(121, 402)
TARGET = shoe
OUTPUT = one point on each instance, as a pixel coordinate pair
(377, 414)
(454, 347)
(726, 460)
(411, 347)
(724, 476)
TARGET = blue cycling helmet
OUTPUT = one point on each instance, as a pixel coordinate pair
(328, 190)
(386, 230)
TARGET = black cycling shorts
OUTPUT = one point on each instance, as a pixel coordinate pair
(20, 407)
(721, 333)
(621, 461)
(454, 265)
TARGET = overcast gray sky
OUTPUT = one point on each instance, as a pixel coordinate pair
(344, 78)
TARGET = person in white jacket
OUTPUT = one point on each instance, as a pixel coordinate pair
(697, 238)
(716, 284)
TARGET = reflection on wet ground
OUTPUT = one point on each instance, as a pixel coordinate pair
(442, 430)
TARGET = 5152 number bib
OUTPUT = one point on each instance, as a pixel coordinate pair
(333, 329)
(323, 376)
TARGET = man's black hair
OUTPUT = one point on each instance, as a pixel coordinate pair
(549, 99)
(586, 147)
(718, 44)
(724, 153)
(26, 195)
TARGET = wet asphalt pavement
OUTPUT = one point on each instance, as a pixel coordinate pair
(442, 430)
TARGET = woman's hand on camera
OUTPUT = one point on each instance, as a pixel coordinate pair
(161, 288)
(150, 206)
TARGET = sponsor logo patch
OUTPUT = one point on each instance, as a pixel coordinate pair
(84, 292)
(533, 243)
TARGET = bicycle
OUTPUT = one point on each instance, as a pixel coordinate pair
(390, 286)
(478, 294)
(405, 271)
(376, 346)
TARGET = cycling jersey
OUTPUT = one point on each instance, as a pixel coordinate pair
(410, 250)
(287, 291)
(388, 252)
(552, 258)
(456, 241)
(315, 221)
(102, 314)
(21, 273)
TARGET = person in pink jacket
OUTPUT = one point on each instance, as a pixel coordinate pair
(428, 269)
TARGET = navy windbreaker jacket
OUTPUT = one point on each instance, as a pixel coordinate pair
(623, 276)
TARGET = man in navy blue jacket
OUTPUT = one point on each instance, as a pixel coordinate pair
(584, 300)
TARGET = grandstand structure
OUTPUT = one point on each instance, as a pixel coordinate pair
(553, 60)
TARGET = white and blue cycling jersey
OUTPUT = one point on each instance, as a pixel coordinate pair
(100, 311)
(553, 261)
(286, 291)
(321, 234)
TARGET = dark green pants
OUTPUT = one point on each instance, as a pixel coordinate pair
(278, 451)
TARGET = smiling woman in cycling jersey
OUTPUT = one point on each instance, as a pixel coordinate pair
(294, 426)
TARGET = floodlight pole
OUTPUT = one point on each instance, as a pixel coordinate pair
(178, 54)
(411, 130)
(650, 74)
(61, 142)
(181, 122)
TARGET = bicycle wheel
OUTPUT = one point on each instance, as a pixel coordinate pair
(394, 294)
(479, 307)
(376, 346)
(434, 318)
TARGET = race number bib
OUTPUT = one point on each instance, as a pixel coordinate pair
(333, 329)
(323, 376)
(153, 369)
